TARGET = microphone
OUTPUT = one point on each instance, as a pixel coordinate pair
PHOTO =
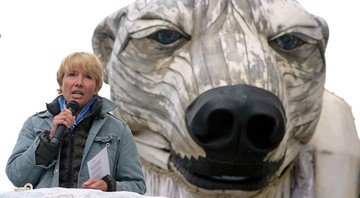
(74, 107)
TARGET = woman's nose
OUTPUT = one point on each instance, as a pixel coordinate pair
(79, 81)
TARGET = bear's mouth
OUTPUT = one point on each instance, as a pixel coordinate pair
(211, 174)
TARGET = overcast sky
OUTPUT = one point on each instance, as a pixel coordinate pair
(37, 34)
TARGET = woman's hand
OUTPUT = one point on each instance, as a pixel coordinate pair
(65, 117)
(97, 184)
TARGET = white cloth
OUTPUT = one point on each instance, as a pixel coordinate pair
(70, 193)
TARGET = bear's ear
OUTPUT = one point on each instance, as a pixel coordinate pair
(104, 37)
(325, 31)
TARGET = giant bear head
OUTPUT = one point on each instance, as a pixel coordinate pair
(220, 95)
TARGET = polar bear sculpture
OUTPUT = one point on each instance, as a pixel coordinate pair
(226, 98)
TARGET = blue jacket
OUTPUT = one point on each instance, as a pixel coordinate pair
(106, 130)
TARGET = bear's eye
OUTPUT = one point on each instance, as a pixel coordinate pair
(166, 36)
(288, 42)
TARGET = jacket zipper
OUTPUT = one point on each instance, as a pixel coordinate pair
(71, 152)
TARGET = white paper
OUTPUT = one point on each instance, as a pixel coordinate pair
(99, 165)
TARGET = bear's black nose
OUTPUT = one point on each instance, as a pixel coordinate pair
(237, 123)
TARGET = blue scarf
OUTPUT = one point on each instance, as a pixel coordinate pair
(84, 112)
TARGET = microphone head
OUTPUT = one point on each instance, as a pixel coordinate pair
(73, 106)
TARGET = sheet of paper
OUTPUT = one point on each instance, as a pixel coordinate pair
(99, 165)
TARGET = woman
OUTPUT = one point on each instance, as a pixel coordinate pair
(36, 159)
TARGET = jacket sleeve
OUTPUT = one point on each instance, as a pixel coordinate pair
(129, 175)
(21, 166)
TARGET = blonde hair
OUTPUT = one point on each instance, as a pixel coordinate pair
(89, 63)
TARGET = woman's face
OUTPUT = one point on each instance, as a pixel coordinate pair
(78, 85)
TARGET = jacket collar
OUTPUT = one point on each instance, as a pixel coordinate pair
(101, 105)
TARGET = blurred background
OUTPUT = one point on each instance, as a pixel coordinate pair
(37, 34)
